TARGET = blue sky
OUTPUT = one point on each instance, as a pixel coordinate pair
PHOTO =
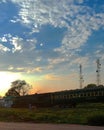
(45, 41)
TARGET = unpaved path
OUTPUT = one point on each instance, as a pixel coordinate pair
(30, 126)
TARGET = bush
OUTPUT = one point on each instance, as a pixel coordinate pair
(96, 120)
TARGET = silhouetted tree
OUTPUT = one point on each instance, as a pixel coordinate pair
(18, 88)
(91, 86)
(101, 85)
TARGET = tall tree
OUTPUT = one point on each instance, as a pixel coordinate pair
(18, 88)
(91, 86)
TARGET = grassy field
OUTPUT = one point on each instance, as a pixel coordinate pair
(82, 114)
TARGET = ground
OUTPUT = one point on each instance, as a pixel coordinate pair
(31, 126)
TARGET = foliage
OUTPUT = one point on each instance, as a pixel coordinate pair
(91, 86)
(79, 115)
(96, 119)
(18, 88)
(12, 92)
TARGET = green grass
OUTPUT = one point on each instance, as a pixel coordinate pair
(83, 114)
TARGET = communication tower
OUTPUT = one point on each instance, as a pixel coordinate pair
(98, 72)
(81, 77)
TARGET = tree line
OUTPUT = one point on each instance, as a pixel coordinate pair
(21, 88)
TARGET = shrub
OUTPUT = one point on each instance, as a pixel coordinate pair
(96, 120)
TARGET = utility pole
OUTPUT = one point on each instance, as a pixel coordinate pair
(81, 80)
(98, 72)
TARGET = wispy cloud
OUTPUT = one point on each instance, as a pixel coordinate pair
(80, 21)
(52, 77)
(3, 48)
(3, 1)
(15, 43)
(62, 14)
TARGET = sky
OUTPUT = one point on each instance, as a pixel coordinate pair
(44, 41)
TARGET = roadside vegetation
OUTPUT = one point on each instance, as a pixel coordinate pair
(86, 114)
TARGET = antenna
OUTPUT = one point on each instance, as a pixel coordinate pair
(98, 72)
(81, 77)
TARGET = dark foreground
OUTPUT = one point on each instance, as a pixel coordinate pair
(30, 126)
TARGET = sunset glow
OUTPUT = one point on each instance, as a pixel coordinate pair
(5, 81)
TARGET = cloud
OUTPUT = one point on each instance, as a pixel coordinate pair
(3, 48)
(25, 69)
(3, 39)
(61, 77)
(79, 20)
(17, 44)
(99, 53)
(52, 77)
(22, 45)
(3, 1)
(15, 41)
(18, 54)
(10, 68)
(33, 70)
(56, 60)
(82, 60)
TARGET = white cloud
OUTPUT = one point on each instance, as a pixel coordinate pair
(82, 60)
(57, 60)
(79, 20)
(3, 1)
(16, 42)
(3, 39)
(3, 48)
(99, 53)
(10, 68)
(29, 69)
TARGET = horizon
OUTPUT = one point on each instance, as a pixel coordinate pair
(44, 42)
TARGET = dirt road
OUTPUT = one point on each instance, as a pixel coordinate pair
(30, 126)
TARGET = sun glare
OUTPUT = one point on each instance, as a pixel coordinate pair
(5, 81)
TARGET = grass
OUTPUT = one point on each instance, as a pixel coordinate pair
(83, 114)
(97, 119)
